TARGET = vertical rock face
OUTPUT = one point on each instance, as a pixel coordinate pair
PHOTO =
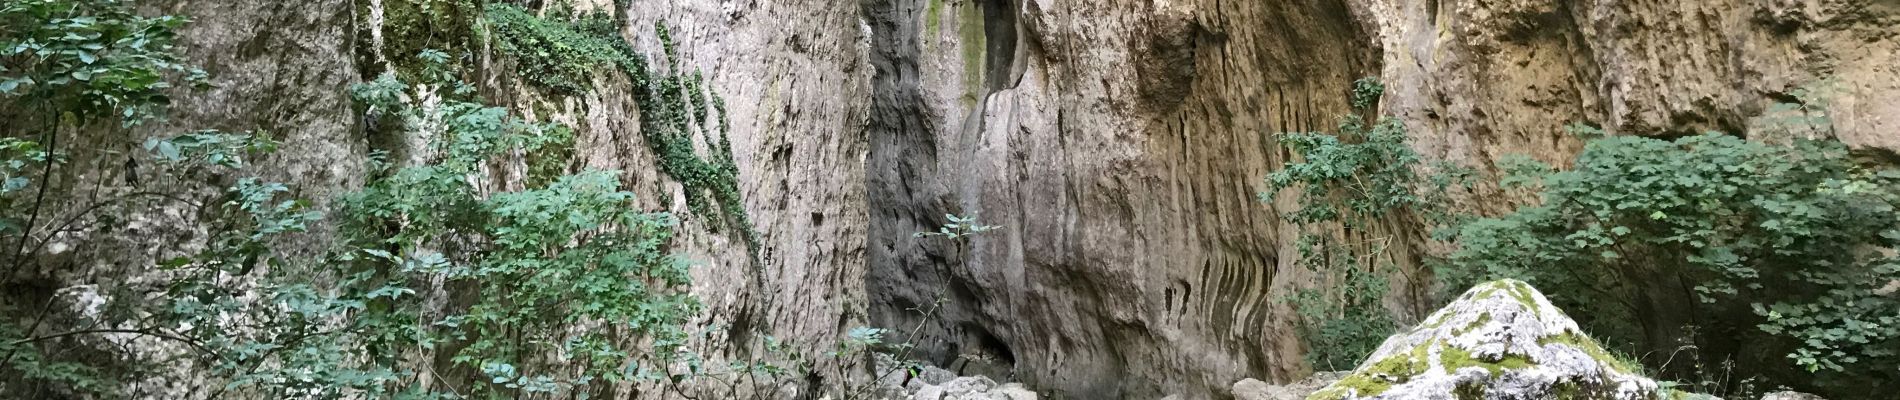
(288, 81)
(797, 88)
(1476, 80)
(1121, 144)
(794, 75)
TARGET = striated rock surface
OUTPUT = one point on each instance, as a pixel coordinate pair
(1121, 145)
(1500, 340)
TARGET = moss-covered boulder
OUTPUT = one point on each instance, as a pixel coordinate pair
(1500, 340)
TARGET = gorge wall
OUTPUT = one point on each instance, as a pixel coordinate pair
(1120, 145)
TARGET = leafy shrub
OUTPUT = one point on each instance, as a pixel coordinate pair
(1355, 177)
(675, 105)
(66, 64)
(556, 54)
(1782, 240)
(1348, 183)
(1345, 321)
(572, 278)
(1366, 93)
(94, 59)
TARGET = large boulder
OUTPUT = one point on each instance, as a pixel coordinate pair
(1500, 340)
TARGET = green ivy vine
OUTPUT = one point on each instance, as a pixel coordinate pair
(676, 107)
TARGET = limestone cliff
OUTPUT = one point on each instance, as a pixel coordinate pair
(796, 74)
(1120, 144)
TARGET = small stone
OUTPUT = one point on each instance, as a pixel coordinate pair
(1790, 395)
(967, 385)
(1013, 391)
(936, 376)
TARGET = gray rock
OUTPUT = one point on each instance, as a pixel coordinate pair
(928, 392)
(1254, 389)
(1501, 339)
(1790, 395)
(930, 374)
(974, 388)
(1013, 391)
(967, 385)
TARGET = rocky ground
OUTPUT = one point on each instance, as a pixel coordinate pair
(932, 383)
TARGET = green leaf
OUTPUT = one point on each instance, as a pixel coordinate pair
(174, 263)
(168, 151)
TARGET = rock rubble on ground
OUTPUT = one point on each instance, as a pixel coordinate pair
(933, 383)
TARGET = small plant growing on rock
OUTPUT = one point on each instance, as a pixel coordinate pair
(958, 227)
(1351, 185)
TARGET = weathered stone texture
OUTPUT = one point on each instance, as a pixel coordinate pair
(1121, 145)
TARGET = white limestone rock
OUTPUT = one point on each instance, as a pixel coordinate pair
(1789, 395)
(1500, 340)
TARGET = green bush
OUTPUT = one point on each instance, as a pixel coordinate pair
(562, 288)
(556, 54)
(1363, 180)
(1779, 247)
(64, 65)
(556, 289)
(675, 105)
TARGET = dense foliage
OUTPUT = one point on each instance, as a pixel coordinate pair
(445, 284)
(557, 54)
(94, 59)
(1764, 248)
(442, 283)
(65, 66)
(547, 260)
(1717, 260)
(676, 108)
(576, 289)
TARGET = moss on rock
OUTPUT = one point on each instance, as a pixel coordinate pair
(1501, 339)
(1453, 358)
(410, 26)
